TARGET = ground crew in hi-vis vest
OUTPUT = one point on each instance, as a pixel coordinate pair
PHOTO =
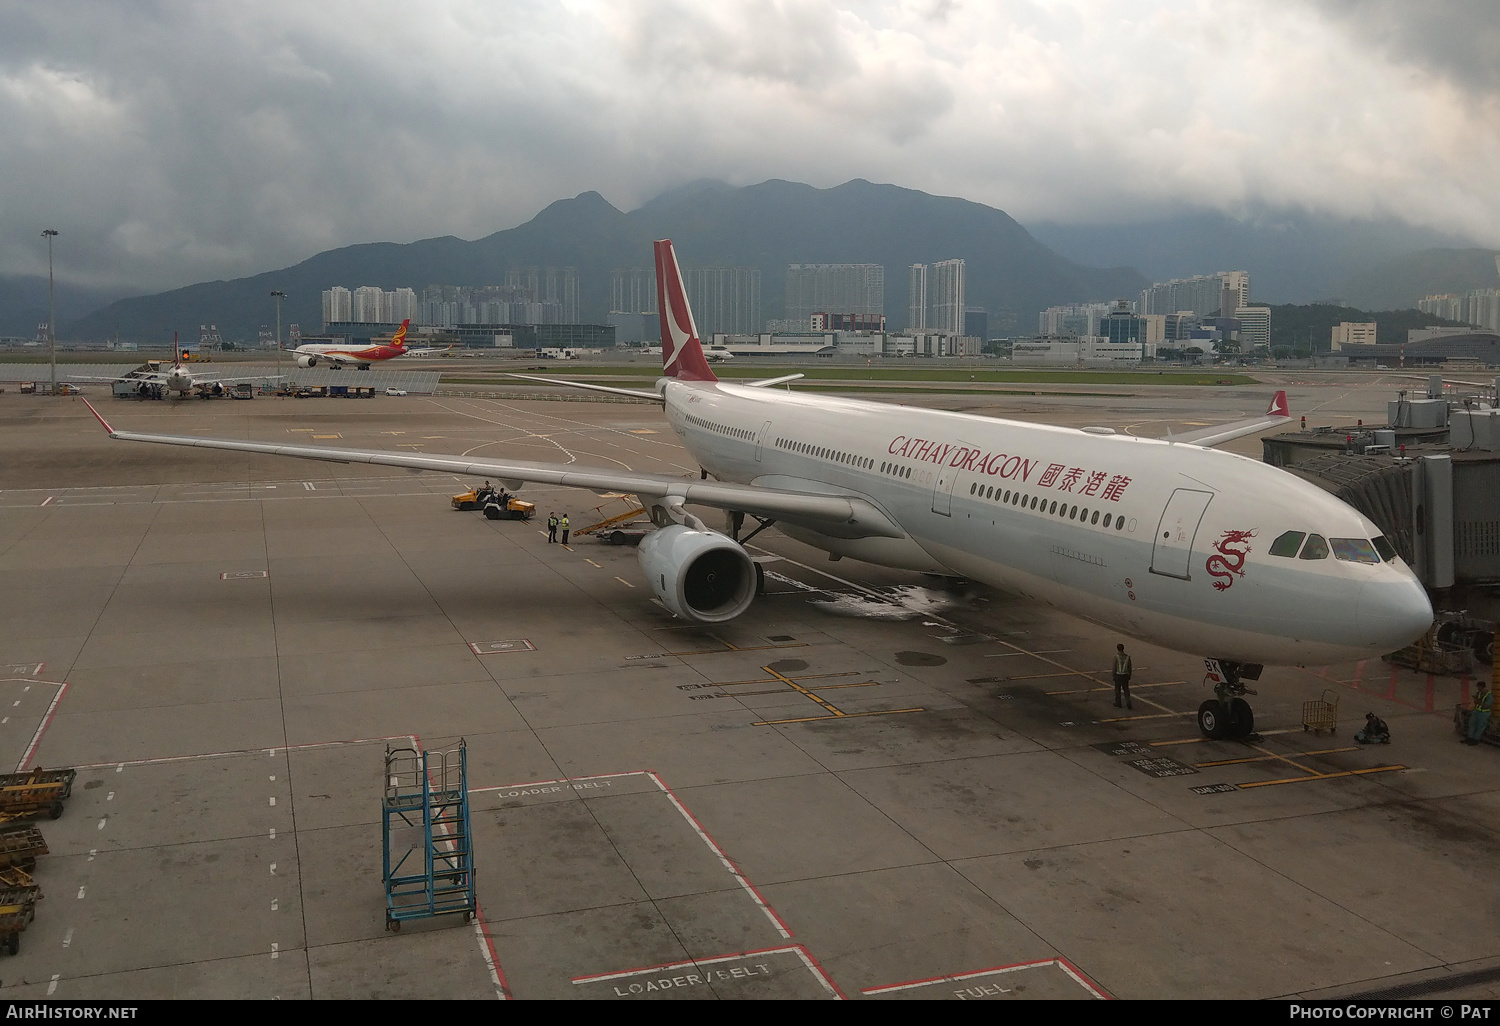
(1479, 716)
(551, 528)
(562, 524)
(1123, 670)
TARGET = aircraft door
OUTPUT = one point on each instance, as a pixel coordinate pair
(760, 439)
(942, 490)
(1172, 552)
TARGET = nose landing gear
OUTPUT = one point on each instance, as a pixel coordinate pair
(1227, 715)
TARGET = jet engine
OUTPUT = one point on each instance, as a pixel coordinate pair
(307, 361)
(698, 574)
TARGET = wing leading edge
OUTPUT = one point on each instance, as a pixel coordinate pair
(847, 516)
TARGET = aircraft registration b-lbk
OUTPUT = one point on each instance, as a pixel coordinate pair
(1165, 540)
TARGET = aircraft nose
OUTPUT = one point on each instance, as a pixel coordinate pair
(1395, 612)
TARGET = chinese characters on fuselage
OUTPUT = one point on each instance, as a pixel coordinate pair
(1057, 476)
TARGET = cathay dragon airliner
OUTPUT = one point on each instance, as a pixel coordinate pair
(1165, 540)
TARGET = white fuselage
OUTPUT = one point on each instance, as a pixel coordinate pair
(1162, 541)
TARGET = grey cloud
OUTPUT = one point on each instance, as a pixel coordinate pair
(181, 142)
(1455, 39)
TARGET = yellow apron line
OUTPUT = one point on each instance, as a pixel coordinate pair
(1284, 759)
(799, 688)
(768, 680)
(1264, 758)
(1202, 740)
(1322, 776)
(763, 648)
(1147, 716)
(845, 716)
(1133, 687)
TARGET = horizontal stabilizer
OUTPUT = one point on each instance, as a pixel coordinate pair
(1277, 414)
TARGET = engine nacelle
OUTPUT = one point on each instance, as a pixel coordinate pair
(698, 574)
(307, 361)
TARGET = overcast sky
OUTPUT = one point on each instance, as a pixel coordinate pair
(177, 142)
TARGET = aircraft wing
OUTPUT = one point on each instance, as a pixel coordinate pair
(1277, 414)
(843, 515)
(635, 393)
(147, 377)
(230, 381)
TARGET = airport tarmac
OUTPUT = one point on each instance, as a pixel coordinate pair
(871, 785)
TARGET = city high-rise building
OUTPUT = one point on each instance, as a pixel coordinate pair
(1479, 307)
(632, 290)
(724, 299)
(1202, 294)
(916, 298)
(1353, 333)
(1255, 326)
(401, 305)
(834, 288)
(1080, 320)
(549, 286)
(947, 297)
(370, 305)
(338, 305)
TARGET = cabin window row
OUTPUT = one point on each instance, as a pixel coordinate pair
(1031, 502)
(896, 470)
(824, 453)
(1301, 545)
(722, 429)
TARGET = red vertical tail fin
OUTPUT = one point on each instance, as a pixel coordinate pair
(399, 339)
(681, 352)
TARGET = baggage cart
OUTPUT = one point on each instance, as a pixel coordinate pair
(1322, 714)
(20, 849)
(65, 777)
(15, 916)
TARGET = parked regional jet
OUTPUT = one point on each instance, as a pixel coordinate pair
(337, 357)
(1164, 540)
(156, 382)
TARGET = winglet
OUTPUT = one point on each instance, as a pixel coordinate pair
(681, 352)
(1278, 407)
(98, 418)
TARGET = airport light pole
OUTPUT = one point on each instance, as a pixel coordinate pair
(49, 234)
(278, 295)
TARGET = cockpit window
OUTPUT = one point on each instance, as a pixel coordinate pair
(1354, 550)
(1385, 548)
(1288, 544)
(1316, 547)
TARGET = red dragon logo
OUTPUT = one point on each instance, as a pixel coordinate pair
(1229, 562)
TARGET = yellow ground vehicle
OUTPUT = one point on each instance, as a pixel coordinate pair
(504, 506)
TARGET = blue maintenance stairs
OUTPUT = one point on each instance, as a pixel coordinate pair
(428, 836)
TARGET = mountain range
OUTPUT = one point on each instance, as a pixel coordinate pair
(767, 226)
(1292, 257)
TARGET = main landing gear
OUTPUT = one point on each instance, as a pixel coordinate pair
(1227, 715)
